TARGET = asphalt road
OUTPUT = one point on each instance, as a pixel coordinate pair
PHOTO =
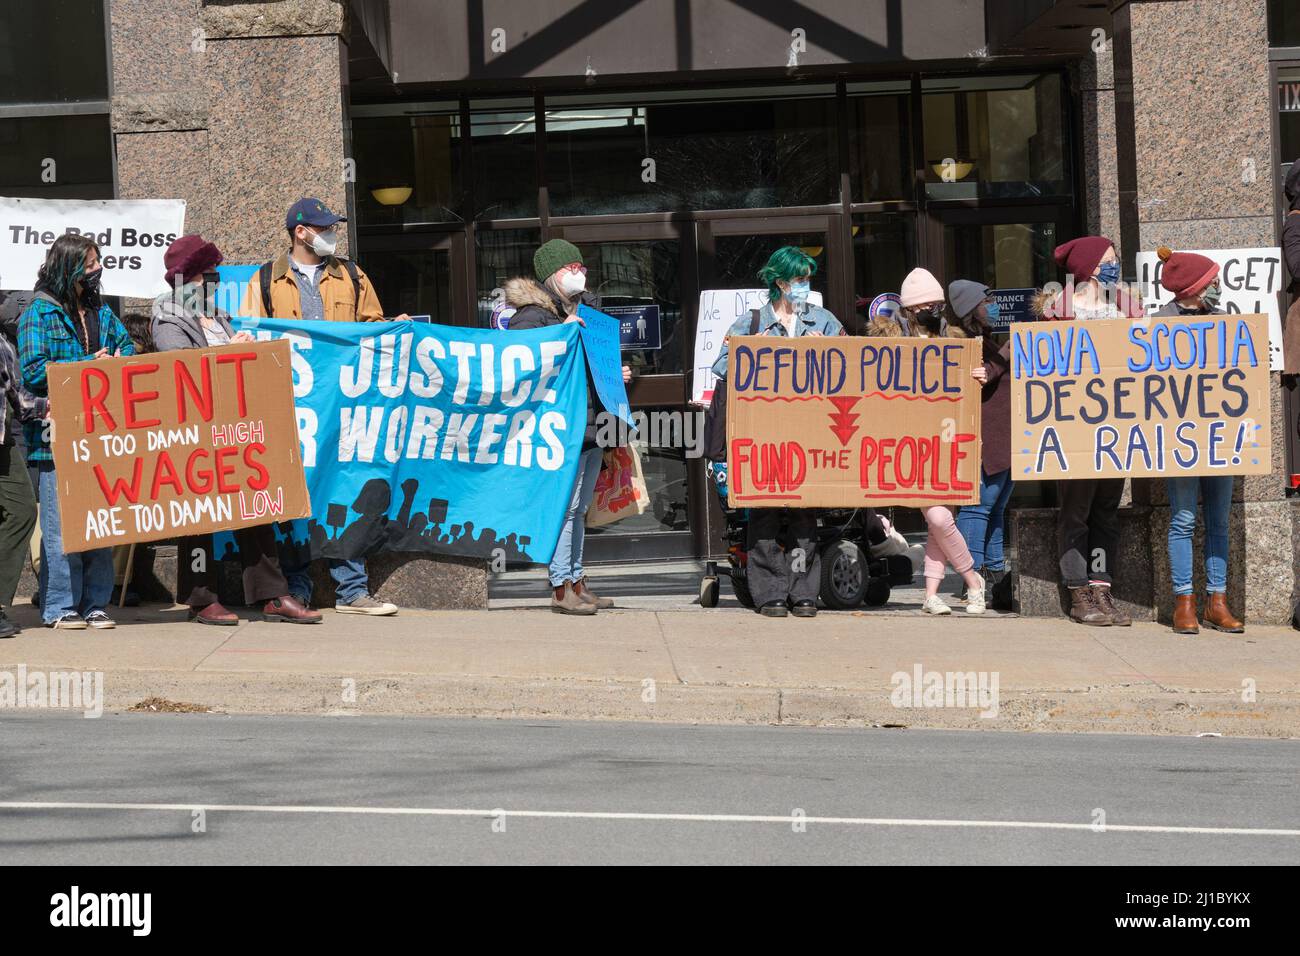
(308, 790)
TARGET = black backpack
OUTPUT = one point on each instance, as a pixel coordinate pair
(264, 280)
(715, 419)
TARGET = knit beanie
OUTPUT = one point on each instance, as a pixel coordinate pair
(920, 287)
(966, 296)
(1080, 257)
(1185, 274)
(190, 256)
(553, 255)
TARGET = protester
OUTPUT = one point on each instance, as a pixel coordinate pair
(185, 318)
(1193, 280)
(67, 322)
(310, 282)
(782, 581)
(923, 314)
(982, 525)
(17, 502)
(553, 299)
(1087, 523)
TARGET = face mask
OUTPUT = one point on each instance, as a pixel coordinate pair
(90, 280)
(798, 292)
(1211, 295)
(930, 316)
(992, 312)
(324, 243)
(1109, 274)
(573, 282)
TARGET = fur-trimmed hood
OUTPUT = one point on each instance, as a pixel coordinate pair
(522, 291)
(1040, 302)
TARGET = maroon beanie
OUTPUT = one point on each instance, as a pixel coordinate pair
(1185, 273)
(190, 256)
(1080, 257)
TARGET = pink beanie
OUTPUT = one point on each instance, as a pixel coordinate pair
(920, 287)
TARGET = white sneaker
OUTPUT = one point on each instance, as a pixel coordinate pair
(975, 599)
(935, 605)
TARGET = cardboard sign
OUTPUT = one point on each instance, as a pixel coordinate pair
(1250, 278)
(175, 443)
(719, 308)
(848, 422)
(1157, 396)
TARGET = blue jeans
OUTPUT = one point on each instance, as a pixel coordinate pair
(1216, 490)
(350, 580)
(566, 564)
(982, 525)
(81, 582)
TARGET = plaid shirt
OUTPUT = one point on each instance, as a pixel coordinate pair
(47, 334)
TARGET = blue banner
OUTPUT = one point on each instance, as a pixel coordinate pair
(422, 437)
(600, 339)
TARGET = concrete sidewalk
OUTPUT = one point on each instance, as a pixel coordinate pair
(678, 662)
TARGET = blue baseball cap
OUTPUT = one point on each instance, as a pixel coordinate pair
(311, 212)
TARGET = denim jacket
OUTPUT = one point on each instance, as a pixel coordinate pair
(815, 319)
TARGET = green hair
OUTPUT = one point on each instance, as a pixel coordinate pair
(788, 262)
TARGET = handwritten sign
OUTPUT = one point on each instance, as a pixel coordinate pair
(848, 422)
(175, 443)
(600, 340)
(1167, 396)
(719, 309)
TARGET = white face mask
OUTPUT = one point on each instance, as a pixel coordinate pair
(573, 282)
(324, 243)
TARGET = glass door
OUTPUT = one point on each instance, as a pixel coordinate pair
(421, 274)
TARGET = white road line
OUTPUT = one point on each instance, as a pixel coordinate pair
(667, 817)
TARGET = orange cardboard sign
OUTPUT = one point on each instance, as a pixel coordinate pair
(155, 446)
(849, 422)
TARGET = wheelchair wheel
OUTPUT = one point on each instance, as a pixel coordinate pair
(709, 589)
(741, 587)
(844, 575)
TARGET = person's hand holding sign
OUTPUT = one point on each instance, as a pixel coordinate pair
(102, 353)
(979, 374)
(239, 337)
(627, 374)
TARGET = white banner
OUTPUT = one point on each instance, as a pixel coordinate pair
(718, 309)
(1251, 280)
(132, 235)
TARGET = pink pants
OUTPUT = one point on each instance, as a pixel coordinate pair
(944, 544)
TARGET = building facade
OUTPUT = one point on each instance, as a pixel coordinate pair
(678, 142)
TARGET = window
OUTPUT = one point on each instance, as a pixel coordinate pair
(504, 142)
(1283, 23)
(994, 137)
(884, 252)
(500, 255)
(35, 42)
(408, 163)
(742, 149)
(880, 141)
(1288, 120)
(413, 281)
(1003, 256)
(56, 157)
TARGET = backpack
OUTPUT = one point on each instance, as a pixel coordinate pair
(715, 419)
(264, 280)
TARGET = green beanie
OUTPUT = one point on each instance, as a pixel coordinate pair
(553, 255)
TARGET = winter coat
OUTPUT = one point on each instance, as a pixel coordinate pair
(176, 327)
(1043, 302)
(1291, 252)
(343, 302)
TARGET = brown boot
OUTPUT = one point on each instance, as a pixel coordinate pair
(585, 593)
(1219, 617)
(214, 613)
(1104, 601)
(286, 608)
(567, 601)
(1085, 610)
(1185, 614)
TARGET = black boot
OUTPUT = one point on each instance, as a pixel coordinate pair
(1001, 595)
(7, 627)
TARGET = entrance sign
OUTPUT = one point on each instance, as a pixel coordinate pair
(719, 308)
(846, 422)
(175, 443)
(1013, 306)
(1157, 396)
(638, 326)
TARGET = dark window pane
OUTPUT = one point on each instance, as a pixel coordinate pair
(1283, 23)
(504, 143)
(414, 281)
(884, 251)
(1003, 256)
(738, 259)
(1288, 119)
(408, 167)
(56, 157)
(663, 463)
(994, 137)
(499, 255)
(52, 51)
(604, 156)
(880, 141)
(631, 274)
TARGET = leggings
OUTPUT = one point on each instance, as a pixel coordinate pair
(944, 544)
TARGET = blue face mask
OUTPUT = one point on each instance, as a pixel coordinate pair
(992, 312)
(1109, 274)
(798, 291)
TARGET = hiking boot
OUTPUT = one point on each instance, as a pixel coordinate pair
(1219, 617)
(365, 604)
(1107, 603)
(1185, 614)
(568, 601)
(584, 592)
(1085, 609)
(285, 608)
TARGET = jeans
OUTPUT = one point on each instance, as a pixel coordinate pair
(350, 580)
(1216, 490)
(79, 583)
(566, 564)
(982, 525)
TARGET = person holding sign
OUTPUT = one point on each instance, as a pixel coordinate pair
(184, 319)
(1193, 280)
(1291, 252)
(982, 526)
(783, 581)
(1087, 524)
(924, 315)
(67, 322)
(551, 299)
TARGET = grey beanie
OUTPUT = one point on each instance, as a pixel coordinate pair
(965, 296)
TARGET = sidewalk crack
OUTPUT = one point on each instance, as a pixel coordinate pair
(233, 631)
(664, 637)
(1127, 663)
